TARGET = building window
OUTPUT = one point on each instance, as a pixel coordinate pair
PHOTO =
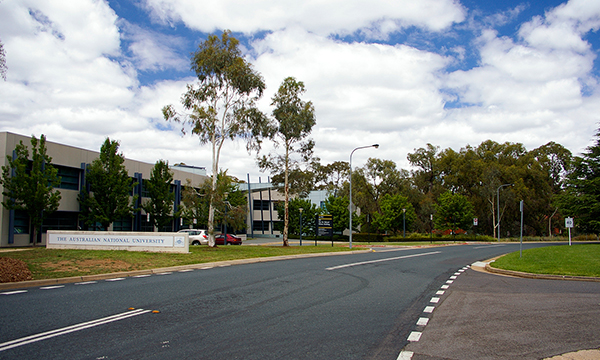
(261, 204)
(60, 220)
(123, 224)
(21, 224)
(258, 225)
(69, 177)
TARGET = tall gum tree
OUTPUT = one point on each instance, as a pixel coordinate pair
(222, 105)
(293, 122)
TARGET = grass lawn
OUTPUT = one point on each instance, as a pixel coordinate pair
(54, 263)
(575, 260)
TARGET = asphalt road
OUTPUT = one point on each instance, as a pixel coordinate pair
(358, 306)
(486, 316)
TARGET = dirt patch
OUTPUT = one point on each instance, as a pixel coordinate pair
(13, 270)
(88, 265)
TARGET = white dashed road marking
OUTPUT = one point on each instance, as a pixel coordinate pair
(423, 321)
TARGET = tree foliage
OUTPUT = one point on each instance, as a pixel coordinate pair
(293, 120)
(396, 213)
(309, 212)
(160, 204)
(453, 212)
(108, 197)
(29, 185)
(338, 208)
(222, 106)
(581, 198)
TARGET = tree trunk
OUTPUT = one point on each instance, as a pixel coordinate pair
(286, 221)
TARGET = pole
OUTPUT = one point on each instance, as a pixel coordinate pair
(300, 225)
(404, 223)
(521, 246)
(498, 204)
(350, 206)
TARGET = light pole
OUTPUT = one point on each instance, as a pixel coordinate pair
(301, 209)
(403, 223)
(498, 203)
(350, 207)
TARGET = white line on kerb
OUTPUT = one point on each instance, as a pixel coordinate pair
(381, 260)
(69, 329)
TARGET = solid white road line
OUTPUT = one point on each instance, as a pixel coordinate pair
(69, 329)
(381, 260)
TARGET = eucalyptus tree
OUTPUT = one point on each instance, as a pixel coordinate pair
(29, 185)
(293, 121)
(107, 197)
(222, 105)
(160, 204)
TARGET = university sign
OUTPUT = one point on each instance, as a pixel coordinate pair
(101, 240)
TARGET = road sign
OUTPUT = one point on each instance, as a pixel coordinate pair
(324, 225)
(475, 221)
(569, 222)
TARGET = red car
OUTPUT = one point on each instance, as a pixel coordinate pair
(231, 240)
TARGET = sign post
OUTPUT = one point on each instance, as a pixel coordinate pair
(569, 225)
(324, 227)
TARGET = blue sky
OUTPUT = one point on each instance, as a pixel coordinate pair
(402, 73)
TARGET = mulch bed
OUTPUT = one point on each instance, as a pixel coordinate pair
(13, 270)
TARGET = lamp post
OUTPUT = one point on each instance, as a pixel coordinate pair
(301, 209)
(403, 223)
(350, 207)
(498, 204)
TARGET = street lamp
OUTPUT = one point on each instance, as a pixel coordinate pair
(350, 207)
(498, 204)
(403, 223)
(301, 209)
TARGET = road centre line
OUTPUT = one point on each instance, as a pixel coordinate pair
(69, 329)
(381, 260)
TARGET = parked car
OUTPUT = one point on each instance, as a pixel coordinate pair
(231, 240)
(197, 237)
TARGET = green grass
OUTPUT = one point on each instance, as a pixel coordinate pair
(53, 263)
(575, 260)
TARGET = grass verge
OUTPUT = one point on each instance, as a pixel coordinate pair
(54, 263)
(575, 260)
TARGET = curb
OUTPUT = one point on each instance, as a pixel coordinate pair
(493, 270)
(75, 279)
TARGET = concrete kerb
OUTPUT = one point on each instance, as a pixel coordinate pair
(84, 278)
(485, 267)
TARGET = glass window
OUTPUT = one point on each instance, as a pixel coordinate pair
(60, 220)
(69, 177)
(21, 224)
(123, 224)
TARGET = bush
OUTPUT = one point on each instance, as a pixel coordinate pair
(412, 237)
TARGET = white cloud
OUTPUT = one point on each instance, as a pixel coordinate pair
(318, 16)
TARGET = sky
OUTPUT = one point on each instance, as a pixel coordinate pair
(401, 73)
